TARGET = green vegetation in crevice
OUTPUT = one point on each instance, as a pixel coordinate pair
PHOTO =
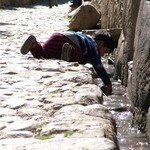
(56, 91)
(51, 133)
(68, 133)
(43, 137)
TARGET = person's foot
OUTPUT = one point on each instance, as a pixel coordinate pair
(66, 52)
(28, 44)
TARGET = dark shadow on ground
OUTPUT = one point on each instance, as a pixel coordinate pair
(8, 8)
(41, 2)
(63, 1)
(15, 7)
(46, 2)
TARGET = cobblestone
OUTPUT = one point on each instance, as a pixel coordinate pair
(47, 99)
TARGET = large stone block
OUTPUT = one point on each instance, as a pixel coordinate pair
(141, 64)
(111, 12)
(130, 14)
(84, 17)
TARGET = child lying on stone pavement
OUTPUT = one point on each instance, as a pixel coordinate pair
(75, 47)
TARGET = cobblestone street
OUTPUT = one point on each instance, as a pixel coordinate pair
(18, 23)
(47, 99)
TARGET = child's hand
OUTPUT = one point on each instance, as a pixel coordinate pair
(107, 89)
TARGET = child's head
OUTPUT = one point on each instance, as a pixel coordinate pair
(106, 38)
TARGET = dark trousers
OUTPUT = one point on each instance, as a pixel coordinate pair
(77, 2)
(52, 3)
(53, 46)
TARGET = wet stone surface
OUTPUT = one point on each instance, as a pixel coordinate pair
(47, 103)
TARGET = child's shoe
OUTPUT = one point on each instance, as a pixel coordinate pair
(66, 52)
(28, 44)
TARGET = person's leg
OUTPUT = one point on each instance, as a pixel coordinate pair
(76, 3)
(33, 46)
(53, 48)
(72, 53)
(50, 3)
(56, 2)
(77, 55)
(37, 51)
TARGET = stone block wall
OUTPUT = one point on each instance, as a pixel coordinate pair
(134, 45)
(111, 12)
(141, 65)
(125, 54)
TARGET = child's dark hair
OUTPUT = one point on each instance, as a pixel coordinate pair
(106, 37)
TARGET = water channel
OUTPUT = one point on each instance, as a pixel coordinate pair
(129, 138)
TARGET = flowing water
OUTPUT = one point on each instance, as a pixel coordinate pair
(129, 138)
